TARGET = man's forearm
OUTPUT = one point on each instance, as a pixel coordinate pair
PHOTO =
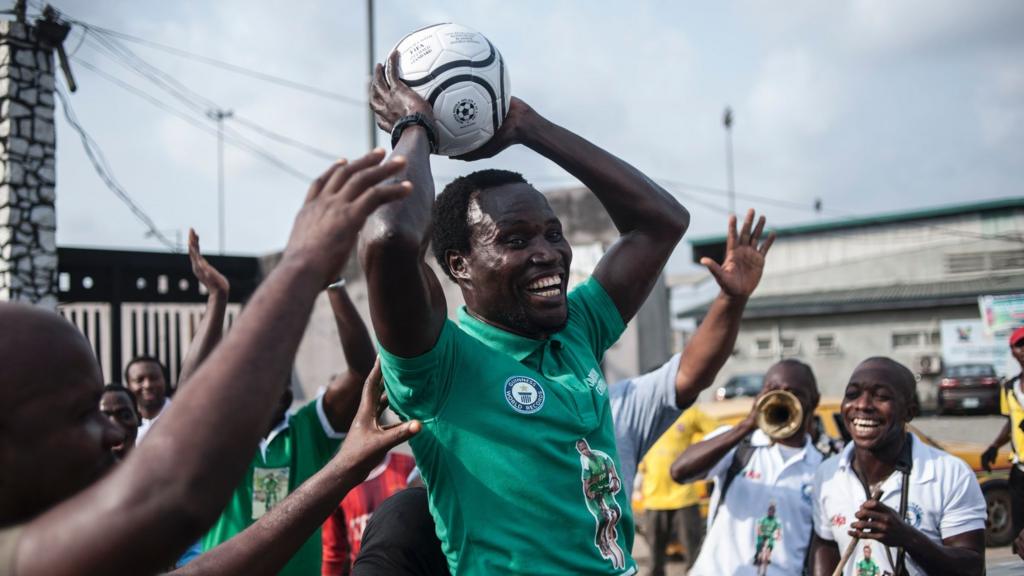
(695, 462)
(1004, 435)
(355, 339)
(935, 558)
(266, 546)
(711, 346)
(633, 201)
(207, 335)
(194, 483)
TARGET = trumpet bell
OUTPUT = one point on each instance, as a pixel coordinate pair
(779, 414)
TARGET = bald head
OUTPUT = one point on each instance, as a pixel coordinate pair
(53, 439)
(896, 374)
(38, 350)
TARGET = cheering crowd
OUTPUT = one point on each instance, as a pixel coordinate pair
(524, 457)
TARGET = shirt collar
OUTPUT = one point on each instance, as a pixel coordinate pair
(519, 347)
(760, 439)
(911, 458)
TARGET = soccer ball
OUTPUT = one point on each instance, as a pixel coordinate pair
(463, 76)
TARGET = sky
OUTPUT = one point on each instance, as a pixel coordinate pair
(870, 106)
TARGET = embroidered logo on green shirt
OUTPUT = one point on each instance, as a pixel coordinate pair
(524, 394)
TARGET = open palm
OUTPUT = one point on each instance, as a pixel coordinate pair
(740, 272)
(204, 271)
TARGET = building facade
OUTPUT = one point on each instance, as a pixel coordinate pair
(836, 293)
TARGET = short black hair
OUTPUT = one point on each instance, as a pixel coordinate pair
(451, 230)
(154, 360)
(808, 374)
(906, 377)
(117, 388)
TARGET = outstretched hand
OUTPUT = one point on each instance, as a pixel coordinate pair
(368, 441)
(740, 272)
(509, 133)
(208, 276)
(337, 205)
(391, 98)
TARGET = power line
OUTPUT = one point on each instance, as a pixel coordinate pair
(99, 163)
(231, 67)
(284, 139)
(231, 137)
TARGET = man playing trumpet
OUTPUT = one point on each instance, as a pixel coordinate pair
(768, 457)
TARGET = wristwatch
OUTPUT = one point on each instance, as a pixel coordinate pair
(415, 118)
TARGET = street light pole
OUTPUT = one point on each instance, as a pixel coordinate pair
(219, 115)
(371, 62)
(727, 122)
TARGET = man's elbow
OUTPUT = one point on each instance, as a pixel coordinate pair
(678, 219)
(386, 241)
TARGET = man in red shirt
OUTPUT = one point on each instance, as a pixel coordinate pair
(343, 532)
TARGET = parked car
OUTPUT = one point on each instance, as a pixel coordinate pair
(740, 385)
(994, 485)
(969, 388)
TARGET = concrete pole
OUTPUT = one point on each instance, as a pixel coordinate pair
(28, 219)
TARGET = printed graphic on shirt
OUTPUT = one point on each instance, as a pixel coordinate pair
(914, 514)
(524, 394)
(768, 532)
(269, 487)
(596, 381)
(600, 485)
(866, 566)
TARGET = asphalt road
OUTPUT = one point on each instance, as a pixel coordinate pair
(980, 429)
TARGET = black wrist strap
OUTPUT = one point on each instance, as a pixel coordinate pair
(415, 119)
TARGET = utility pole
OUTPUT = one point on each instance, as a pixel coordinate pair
(371, 62)
(727, 122)
(219, 115)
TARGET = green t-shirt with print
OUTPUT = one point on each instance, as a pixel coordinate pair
(518, 447)
(292, 456)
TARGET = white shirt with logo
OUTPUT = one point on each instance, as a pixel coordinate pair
(944, 500)
(768, 478)
(146, 423)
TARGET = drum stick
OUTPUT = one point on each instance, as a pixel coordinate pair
(876, 494)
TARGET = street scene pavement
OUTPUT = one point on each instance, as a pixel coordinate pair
(981, 429)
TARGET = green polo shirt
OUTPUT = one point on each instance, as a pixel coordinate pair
(295, 452)
(518, 448)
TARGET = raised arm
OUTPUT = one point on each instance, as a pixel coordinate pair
(737, 276)
(341, 397)
(407, 305)
(649, 220)
(266, 546)
(205, 440)
(699, 458)
(211, 327)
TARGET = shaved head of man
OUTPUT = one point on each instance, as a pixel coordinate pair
(54, 441)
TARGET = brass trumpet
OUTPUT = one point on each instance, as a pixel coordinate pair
(779, 414)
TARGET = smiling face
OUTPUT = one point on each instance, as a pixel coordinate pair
(55, 441)
(146, 381)
(516, 271)
(878, 402)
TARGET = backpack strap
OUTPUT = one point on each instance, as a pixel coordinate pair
(740, 458)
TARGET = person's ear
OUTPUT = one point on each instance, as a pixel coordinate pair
(914, 408)
(457, 265)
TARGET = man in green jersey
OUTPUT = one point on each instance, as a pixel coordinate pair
(867, 566)
(506, 395)
(769, 529)
(299, 444)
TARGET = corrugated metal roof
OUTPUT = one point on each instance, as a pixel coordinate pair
(858, 222)
(875, 298)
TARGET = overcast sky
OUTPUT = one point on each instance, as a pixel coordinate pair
(872, 105)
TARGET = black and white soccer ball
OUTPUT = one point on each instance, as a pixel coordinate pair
(463, 76)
